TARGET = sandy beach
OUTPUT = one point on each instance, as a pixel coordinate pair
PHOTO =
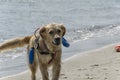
(99, 64)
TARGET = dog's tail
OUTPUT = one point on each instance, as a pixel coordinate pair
(14, 43)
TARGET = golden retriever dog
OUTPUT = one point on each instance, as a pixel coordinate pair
(46, 44)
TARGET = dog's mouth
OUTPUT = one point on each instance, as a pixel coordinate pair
(57, 41)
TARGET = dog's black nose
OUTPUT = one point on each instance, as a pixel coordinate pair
(57, 41)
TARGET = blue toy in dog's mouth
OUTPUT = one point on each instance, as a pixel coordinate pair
(31, 52)
(65, 42)
(31, 55)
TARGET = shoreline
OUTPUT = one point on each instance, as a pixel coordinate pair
(90, 51)
(97, 64)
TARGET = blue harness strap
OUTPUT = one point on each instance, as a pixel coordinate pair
(31, 55)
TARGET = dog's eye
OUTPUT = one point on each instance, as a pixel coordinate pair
(51, 32)
(58, 31)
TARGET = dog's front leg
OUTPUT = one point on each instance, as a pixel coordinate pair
(56, 70)
(44, 71)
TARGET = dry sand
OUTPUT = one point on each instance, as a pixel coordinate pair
(99, 64)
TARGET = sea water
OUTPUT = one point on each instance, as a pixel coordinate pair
(90, 24)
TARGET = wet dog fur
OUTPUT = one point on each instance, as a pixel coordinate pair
(47, 36)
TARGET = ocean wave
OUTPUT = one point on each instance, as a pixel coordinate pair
(93, 31)
(12, 54)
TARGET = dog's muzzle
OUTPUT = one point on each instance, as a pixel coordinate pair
(57, 41)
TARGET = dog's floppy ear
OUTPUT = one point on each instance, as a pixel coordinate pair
(42, 31)
(63, 29)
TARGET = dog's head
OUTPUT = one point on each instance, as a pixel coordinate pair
(52, 33)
